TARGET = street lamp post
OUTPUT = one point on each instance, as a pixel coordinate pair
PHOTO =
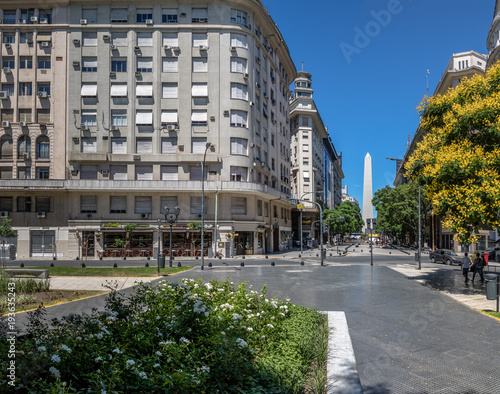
(321, 223)
(207, 145)
(171, 218)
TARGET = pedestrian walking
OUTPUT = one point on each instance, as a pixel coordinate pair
(478, 267)
(466, 263)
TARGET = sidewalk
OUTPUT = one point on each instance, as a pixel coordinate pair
(94, 283)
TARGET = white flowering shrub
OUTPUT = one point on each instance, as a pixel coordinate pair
(179, 338)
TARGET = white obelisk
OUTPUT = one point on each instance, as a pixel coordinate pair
(367, 190)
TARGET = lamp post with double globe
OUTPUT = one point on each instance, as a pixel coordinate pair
(207, 145)
(171, 218)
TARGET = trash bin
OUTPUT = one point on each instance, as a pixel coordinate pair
(161, 260)
(491, 286)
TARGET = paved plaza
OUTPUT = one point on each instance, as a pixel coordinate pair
(412, 331)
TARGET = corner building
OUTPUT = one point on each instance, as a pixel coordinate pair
(149, 92)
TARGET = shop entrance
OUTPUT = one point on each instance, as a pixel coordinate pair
(243, 242)
(42, 243)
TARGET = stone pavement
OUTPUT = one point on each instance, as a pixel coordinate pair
(94, 283)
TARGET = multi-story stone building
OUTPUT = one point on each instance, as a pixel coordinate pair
(316, 166)
(143, 99)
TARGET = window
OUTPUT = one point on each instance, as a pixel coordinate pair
(8, 61)
(305, 148)
(88, 204)
(8, 114)
(169, 145)
(239, 174)
(24, 203)
(238, 205)
(23, 172)
(144, 90)
(9, 88)
(44, 87)
(118, 15)
(118, 173)
(119, 39)
(118, 90)
(238, 40)
(169, 173)
(25, 89)
(88, 171)
(144, 118)
(238, 16)
(144, 64)
(23, 146)
(306, 175)
(9, 18)
(239, 91)
(43, 115)
(5, 172)
(42, 173)
(90, 15)
(25, 115)
(238, 65)
(238, 118)
(169, 117)
(119, 146)
(259, 207)
(199, 15)
(119, 65)
(44, 62)
(118, 204)
(305, 135)
(42, 204)
(45, 36)
(89, 118)
(45, 15)
(199, 90)
(239, 146)
(199, 118)
(89, 89)
(119, 117)
(9, 38)
(145, 39)
(195, 173)
(6, 204)
(26, 62)
(170, 39)
(89, 144)
(144, 173)
(89, 64)
(43, 147)
(6, 147)
(169, 202)
(273, 164)
(200, 65)
(198, 144)
(169, 65)
(144, 145)
(169, 15)
(169, 90)
(200, 39)
(195, 205)
(143, 15)
(89, 39)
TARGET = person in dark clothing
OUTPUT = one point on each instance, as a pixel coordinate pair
(478, 267)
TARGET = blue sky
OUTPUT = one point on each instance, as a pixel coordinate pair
(367, 91)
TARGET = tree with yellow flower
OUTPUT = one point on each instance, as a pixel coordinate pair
(458, 160)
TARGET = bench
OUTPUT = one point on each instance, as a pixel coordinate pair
(39, 273)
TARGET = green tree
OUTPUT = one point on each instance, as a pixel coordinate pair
(6, 231)
(352, 222)
(459, 157)
(397, 211)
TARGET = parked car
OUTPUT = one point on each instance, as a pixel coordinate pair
(444, 256)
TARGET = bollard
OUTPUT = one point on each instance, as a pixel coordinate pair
(54, 258)
(272, 263)
(83, 265)
(22, 265)
(243, 257)
(196, 258)
(267, 256)
(100, 257)
(51, 264)
(146, 265)
(124, 257)
(210, 264)
(179, 264)
(242, 264)
(299, 255)
(77, 258)
(302, 262)
(115, 265)
(317, 255)
(220, 257)
(149, 258)
(331, 255)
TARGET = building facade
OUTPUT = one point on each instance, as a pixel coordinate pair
(149, 103)
(316, 166)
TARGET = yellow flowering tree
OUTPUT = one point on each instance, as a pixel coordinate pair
(458, 159)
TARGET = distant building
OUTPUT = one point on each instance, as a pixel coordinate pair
(316, 165)
(347, 197)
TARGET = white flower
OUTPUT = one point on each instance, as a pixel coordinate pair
(105, 330)
(270, 326)
(42, 348)
(55, 358)
(205, 369)
(54, 371)
(237, 316)
(100, 335)
(158, 353)
(206, 314)
(64, 347)
(130, 363)
(97, 359)
(208, 286)
(223, 333)
(156, 365)
(282, 314)
(111, 318)
(249, 329)
(104, 392)
(158, 317)
(142, 375)
(241, 342)
(185, 340)
(117, 351)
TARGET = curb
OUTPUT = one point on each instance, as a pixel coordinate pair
(342, 373)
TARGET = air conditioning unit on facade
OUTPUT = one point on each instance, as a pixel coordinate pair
(145, 215)
(44, 20)
(45, 44)
(149, 21)
(166, 47)
(29, 40)
(105, 37)
(8, 46)
(4, 214)
(245, 75)
(114, 128)
(42, 94)
(7, 70)
(233, 49)
(23, 124)
(203, 47)
(112, 47)
(4, 95)
(171, 127)
(5, 123)
(83, 21)
(175, 48)
(105, 172)
(34, 19)
(40, 214)
(83, 126)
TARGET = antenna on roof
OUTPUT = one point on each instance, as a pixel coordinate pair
(302, 66)
(428, 82)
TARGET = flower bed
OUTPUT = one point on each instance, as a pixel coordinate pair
(180, 338)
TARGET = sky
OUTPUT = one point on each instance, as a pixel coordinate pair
(367, 86)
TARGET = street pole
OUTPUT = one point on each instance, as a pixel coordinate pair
(203, 206)
(170, 259)
(419, 232)
(301, 240)
(371, 247)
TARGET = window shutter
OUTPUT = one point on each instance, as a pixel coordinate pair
(119, 15)
(118, 204)
(200, 64)
(88, 204)
(199, 116)
(169, 145)
(238, 40)
(170, 39)
(144, 145)
(200, 39)
(90, 15)
(144, 118)
(238, 205)
(239, 146)
(145, 39)
(238, 91)
(169, 173)
(169, 90)
(144, 90)
(238, 174)
(238, 65)
(145, 63)
(118, 173)
(119, 39)
(170, 65)
(169, 117)
(88, 172)
(144, 173)
(89, 144)
(143, 204)
(195, 173)
(195, 205)
(89, 62)
(89, 39)
(199, 90)
(118, 90)
(168, 201)
(199, 13)
(89, 90)
(239, 118)
(118, 145)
